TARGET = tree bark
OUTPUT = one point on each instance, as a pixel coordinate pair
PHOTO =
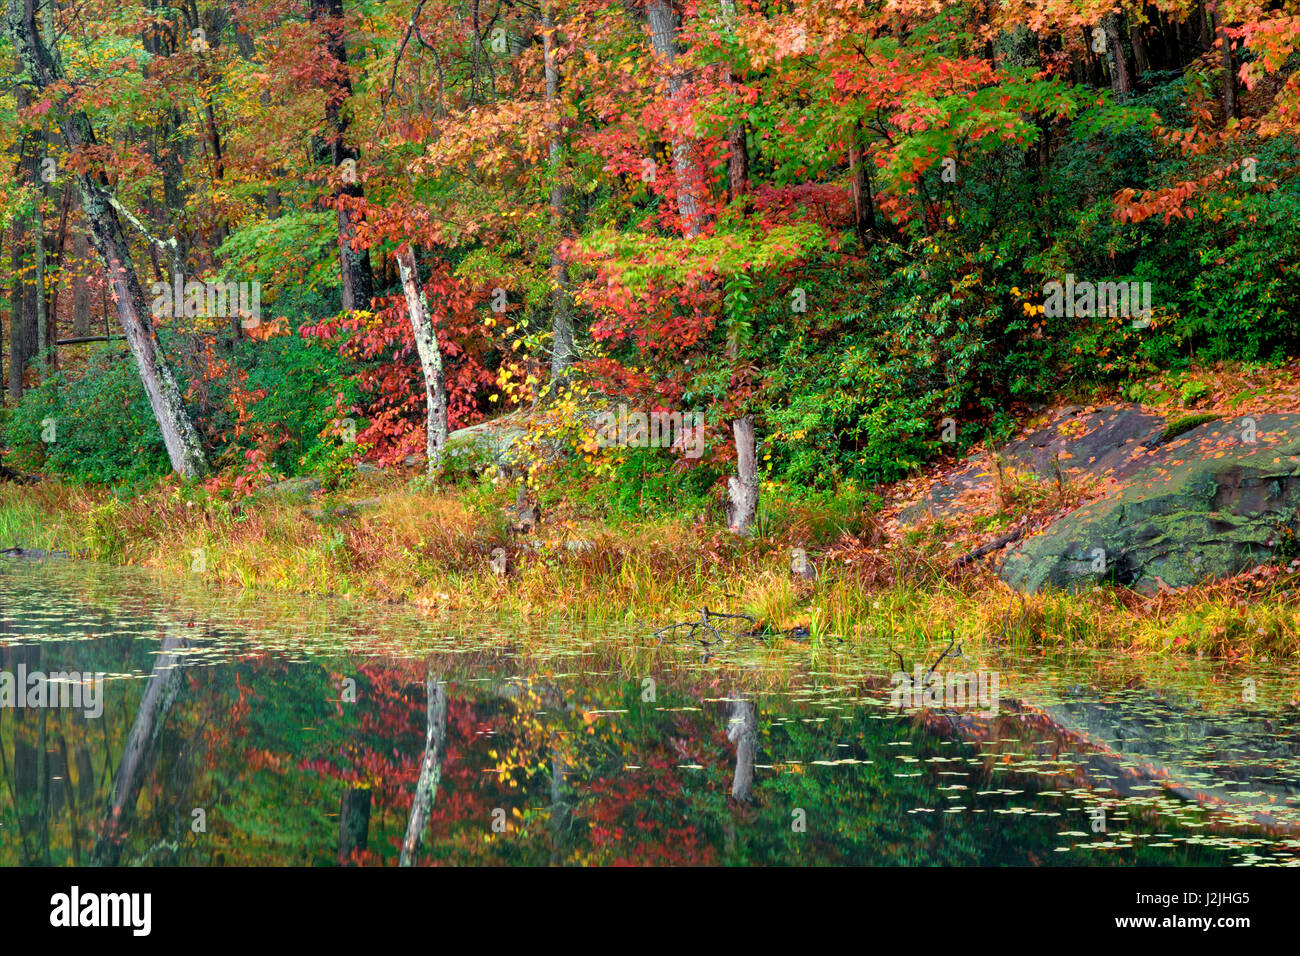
(430, 769)
(742, 490)
(864, 206)
(23, 297)
(663, 37)
(1229, 68)
(562, 351)
(354, 265)
(426, 344)
(179, 436)
(80, 287)
(1120, 76)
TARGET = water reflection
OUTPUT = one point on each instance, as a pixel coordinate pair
(295, 731)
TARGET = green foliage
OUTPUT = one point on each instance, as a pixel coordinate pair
(92, 425)
(299, 381)
(652, 481)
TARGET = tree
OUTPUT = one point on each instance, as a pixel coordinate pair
(44, 72)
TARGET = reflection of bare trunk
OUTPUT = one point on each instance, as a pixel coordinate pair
(426, 344)
(141, 748)
(354, 821)
(742, 491)
(430, 770)
(742, 730)
(560, 814)
(561, 302)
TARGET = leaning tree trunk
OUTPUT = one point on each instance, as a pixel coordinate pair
(426, 344)
(179, 436)
(562, 352)
(430, 768)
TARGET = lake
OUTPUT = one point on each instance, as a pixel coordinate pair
(238, 729)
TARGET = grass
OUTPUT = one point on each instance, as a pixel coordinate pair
(432, 550)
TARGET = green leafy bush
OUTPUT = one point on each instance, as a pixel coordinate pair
(92, 425)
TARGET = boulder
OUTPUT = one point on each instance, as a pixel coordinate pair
(1108, 440)
(1212, 502)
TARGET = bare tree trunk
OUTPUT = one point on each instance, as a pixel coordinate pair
(1120, 78)
(737, 143)
(179, 436)
(663, 37)
(354, 265)
(864, 205)
(22, 312)
(742, 730)
(426, 344)
(430, 768)
(562, 352)
(742, 490)
(1229, 68)
(23, 294)
(141, 748)
(80, 287)
(42, 303)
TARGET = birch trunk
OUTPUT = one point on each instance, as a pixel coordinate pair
(430, 769)
(182, 441)
(426, 344)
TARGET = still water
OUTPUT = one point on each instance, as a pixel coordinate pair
(270, 730)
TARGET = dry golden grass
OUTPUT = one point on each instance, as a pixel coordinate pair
(433, 550)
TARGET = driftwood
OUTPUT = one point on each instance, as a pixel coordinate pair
(706, 625)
